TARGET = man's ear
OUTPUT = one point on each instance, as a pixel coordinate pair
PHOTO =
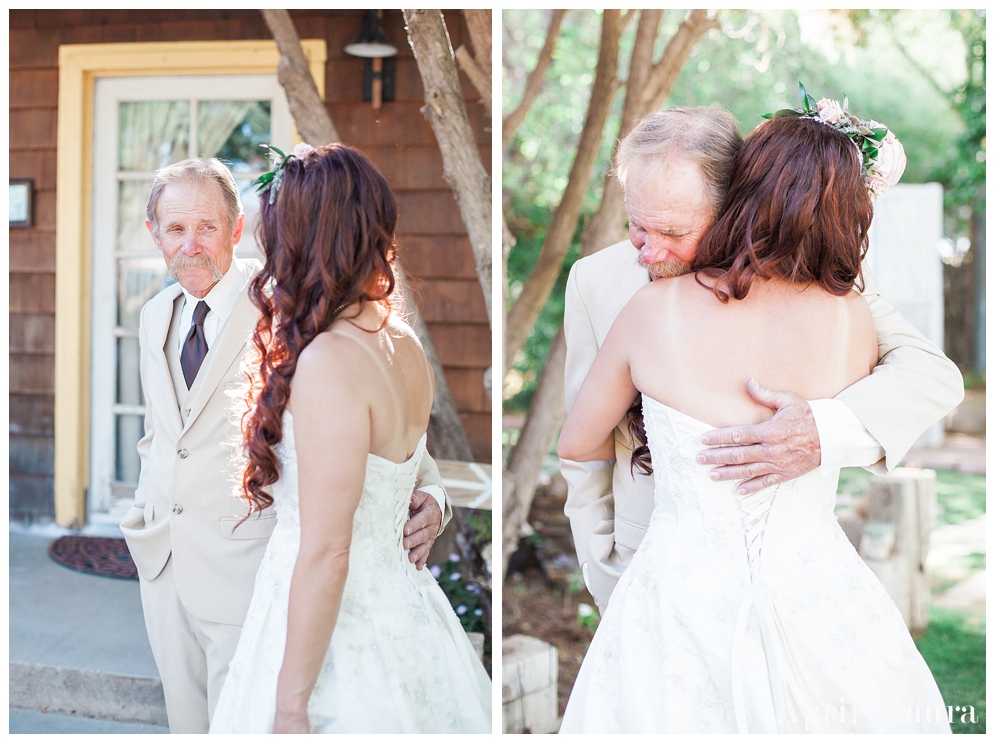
(151, 229)
(237, 234)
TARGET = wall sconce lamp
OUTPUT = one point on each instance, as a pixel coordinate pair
(379, 69)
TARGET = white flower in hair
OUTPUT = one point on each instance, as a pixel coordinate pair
(829, 110)
(888, 167)
(302, 150)
(882, 155)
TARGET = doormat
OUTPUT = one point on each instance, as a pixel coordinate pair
(95, 555)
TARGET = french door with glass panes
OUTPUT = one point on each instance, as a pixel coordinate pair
(141, 124)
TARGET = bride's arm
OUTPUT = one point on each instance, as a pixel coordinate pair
(331, 415)
(603, 399)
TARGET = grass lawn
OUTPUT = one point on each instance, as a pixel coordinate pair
(954, 649)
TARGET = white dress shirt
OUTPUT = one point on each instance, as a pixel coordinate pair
(220, 301)
(842, 437)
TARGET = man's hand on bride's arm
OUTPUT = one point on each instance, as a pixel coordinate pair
(765, 454)
(423, 526)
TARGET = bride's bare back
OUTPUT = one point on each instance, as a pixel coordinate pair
(694, 353)
(388, 370)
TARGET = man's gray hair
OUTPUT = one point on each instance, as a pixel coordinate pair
(195, 169)
(706, 135)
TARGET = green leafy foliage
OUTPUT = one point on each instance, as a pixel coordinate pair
(588, 617)
(464, 594)
(480, 521)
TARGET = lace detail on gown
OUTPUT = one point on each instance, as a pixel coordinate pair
(756, 615)
(398, 661)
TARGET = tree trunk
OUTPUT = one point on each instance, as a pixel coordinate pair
(546, 415)
(978, 221)
(306, 105)
(449, 439)
(543, 276)
(313, 122)
(534, 82)
(960, 311)
(446, 113)
(477, 66)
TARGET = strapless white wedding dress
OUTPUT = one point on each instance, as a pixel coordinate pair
(756, 615)
(399, 661)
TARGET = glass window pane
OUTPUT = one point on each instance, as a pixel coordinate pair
(232, 131)
(138, 280)
(248, 247)
(153, 134)
(129, 385)
(129, 429)
(132, 235)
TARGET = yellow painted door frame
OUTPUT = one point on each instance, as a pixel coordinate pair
(79, 66)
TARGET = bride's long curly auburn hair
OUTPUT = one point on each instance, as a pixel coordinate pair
(328, 239)
(797, 208)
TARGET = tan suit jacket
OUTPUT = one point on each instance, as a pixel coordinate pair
(913, 386)
(185, 505)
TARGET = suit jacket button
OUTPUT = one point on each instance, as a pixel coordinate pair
(177, 509)
(183, 453)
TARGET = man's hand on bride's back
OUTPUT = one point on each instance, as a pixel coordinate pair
(765, 454)
(423, 526)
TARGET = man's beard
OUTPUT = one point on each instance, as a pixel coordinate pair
(664, 269)
(184, 262)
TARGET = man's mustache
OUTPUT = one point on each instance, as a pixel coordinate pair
(186, 262)
(664, 269)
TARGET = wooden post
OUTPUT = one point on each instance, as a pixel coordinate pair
(905, 499)
(528, 691)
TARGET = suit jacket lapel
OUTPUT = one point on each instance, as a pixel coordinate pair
(229, 346)
(157, 331)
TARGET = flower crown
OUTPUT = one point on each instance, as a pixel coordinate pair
(882, 155)
(270, 182)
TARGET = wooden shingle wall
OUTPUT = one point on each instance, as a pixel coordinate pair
(433, 243)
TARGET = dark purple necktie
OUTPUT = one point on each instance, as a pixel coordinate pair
(195, 347)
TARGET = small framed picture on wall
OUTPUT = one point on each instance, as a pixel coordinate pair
(21, 198)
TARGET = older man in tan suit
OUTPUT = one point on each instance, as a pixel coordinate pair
(195, 567)
(668, 156)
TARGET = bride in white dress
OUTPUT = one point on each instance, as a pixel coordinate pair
(756, 615)
(343, 633)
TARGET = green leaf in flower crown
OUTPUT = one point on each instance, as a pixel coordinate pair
(878, 134)
(277, 150)
(808, 102)
(262, 182)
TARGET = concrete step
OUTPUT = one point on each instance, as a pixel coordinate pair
(77, 642)
(31, 721)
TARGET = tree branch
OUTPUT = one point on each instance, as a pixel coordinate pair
(306, 105)
(446, 113)
(665, 72)
(546, 415)
(478, 65)
(543, 276)
(534, 82)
